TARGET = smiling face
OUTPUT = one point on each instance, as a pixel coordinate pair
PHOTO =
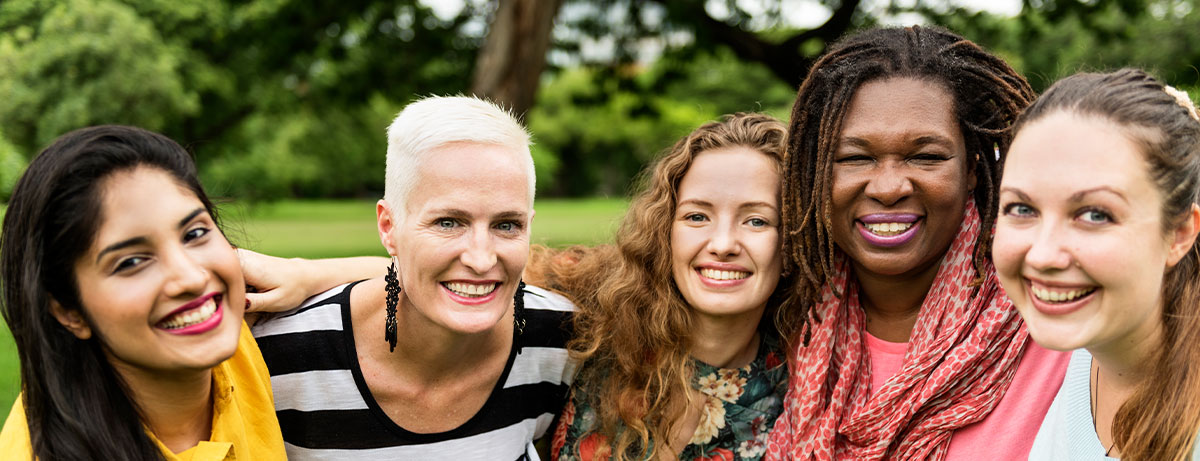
(901, 178)
(1079, 244)
(725, 238)
(465, 238)
(160, 285)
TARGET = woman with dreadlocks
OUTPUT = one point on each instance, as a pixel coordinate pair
(910, 349)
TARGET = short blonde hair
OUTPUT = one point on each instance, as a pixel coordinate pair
(432, 122)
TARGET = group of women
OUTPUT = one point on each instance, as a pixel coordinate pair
(927, 262)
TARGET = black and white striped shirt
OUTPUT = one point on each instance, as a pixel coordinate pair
(326, 410)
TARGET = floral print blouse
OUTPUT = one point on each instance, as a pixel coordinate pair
(740, 407)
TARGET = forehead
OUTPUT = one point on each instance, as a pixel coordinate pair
(471, 177)
(1064, 150)
(139, 202)
(734, 173)
(901, 105)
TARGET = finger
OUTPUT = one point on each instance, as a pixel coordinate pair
(271, 301)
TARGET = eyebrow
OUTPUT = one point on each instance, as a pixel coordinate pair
(459, 213)
(1076, 197)
(1020, 195)
(758, 205)
(703, 203)
(923, 140)
(142, 240)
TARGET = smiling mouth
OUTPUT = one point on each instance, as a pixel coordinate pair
(1060, 296)
(471, 290)
(888, 229)
(190, 317)
(723, 275)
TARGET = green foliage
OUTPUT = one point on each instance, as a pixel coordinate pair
(12, 164)
(1160, 36)
(605, 124)
(87, 62)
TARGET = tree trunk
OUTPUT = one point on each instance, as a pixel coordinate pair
(513, 55)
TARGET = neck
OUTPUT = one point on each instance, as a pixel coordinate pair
(176, 406)
(726, 341)
(893, 303)
(1126, 362)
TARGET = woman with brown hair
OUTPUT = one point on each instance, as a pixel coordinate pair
(1096, 245)
(910, 349)
(677, 360)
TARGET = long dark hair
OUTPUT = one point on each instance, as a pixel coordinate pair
(1160, 419)
(988, 96)
(76, 406)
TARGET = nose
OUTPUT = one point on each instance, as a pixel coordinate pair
(1047, 251)
(480, 254)
(724, 241)
(890, 184)
(184, 274)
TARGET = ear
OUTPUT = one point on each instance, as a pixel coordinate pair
(1184, 236)
(386, 222)
(72, 320)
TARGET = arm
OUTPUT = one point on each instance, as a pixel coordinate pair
(283, 283)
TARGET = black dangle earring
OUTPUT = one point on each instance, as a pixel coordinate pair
(519, 308)
(392, 299)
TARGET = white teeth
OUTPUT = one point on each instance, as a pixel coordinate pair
(888, 229)
(723, 275)
(1060, 296)
(471, 290)
(191, 317)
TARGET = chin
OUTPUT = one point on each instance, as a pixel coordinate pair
(1055, 337)
(469, 323)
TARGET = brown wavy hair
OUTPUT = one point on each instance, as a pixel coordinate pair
(1161, 418)
(633, 327)
(988, 96)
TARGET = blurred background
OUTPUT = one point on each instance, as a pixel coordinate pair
(285, 102)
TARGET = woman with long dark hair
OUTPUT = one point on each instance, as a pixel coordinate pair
(125, 302)
(1096, 245)
(911, 350)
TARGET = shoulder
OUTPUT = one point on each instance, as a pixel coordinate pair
(543, 299)
(14, 439)
(320, 312)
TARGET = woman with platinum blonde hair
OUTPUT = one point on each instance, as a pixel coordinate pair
(1096, 245)
(449, 356)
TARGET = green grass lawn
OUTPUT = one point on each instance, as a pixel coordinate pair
(328, 228)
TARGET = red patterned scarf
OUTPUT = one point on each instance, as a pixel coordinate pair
(962, 355)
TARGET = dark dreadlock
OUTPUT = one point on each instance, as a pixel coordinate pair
(988, 96)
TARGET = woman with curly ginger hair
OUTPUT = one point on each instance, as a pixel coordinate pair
(676, 360)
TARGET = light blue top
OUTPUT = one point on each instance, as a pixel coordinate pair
(1068, 432)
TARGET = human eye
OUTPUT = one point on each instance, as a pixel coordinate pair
(695, 217)
(128, 263)
(445, 223)
(1095, 216)
(195, 233)
(1019, 210)
(758, 222)
(853, 158)
(928, 157)
(509, 226)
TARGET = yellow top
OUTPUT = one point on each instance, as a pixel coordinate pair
(244, 425)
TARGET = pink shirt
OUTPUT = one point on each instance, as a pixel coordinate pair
(1008, 432)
